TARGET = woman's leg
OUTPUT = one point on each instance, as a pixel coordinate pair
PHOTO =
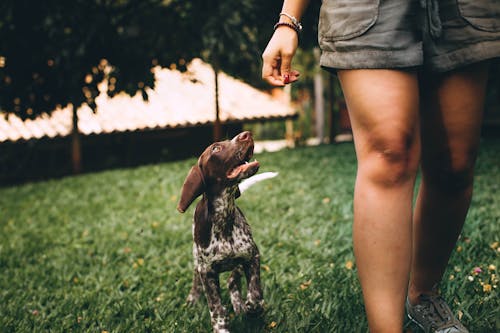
(383, 106)
(451, 117)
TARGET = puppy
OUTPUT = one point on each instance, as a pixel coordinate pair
(222, 237)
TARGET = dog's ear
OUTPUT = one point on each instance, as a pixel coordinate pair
(193, 187)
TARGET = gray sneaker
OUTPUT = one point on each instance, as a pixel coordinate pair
(433, 315)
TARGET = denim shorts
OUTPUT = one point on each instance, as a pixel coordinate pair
(439, 35)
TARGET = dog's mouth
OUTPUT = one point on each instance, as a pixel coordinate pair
(245, 167)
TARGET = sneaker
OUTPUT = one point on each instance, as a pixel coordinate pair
(433, 315)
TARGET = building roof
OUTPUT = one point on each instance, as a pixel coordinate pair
(180, 99)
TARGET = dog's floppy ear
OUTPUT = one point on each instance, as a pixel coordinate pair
(193, 187)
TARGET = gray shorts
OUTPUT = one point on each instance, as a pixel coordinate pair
(440, 35)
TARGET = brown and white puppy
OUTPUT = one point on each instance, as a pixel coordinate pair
(222, 237)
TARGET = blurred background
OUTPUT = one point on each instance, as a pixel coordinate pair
(98, 84)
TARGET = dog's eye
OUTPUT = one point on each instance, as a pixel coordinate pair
(216, 149)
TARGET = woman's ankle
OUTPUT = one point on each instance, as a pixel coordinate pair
(414, 293)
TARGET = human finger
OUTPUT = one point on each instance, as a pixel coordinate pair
(270, 69)
(293, 76)
(286, 66)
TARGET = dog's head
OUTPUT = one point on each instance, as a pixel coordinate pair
(221, 165)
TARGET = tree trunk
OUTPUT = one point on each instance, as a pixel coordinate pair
(217, 123)
(76, 144)
(319, 104)
(319, 107)
(332, 119)
(319, 101)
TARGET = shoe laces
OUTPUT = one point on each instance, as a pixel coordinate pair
(435, 309)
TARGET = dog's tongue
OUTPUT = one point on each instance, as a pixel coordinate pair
(241, 168)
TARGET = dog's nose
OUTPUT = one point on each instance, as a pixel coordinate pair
(245, 136)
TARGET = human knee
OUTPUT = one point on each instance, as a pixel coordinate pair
(450, 172)
(392, 159)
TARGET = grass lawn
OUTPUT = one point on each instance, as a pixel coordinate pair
(109, 252)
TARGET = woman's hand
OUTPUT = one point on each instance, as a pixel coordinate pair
(277, 57)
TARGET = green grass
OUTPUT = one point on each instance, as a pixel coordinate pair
(109, 252)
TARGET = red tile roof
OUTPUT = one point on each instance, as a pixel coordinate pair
(178, 100)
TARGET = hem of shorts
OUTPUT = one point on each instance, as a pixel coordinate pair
(485, 50)
(371, 59)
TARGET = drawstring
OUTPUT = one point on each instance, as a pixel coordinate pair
(432, 9)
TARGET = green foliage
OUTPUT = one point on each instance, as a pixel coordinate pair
(52, 52)
(109, 252)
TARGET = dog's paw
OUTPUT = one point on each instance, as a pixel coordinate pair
(222, 330)
(220, 325)
(255, 308)
(217, 329)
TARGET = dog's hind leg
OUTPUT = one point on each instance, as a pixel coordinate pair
(234, 286)
(196, 289)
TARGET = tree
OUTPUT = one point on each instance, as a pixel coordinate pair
(54, 53)
(231, 40)
(234, 33)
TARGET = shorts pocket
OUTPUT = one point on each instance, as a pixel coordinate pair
(345, 19)
(481, 14)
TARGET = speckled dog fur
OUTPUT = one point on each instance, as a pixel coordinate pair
(222, 237)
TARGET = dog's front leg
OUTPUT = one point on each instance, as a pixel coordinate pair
(234, 284)
(196, 289)
(218, 313)
(254, 303)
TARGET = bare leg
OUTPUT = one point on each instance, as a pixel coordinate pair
(451, 119)
(383, 106)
